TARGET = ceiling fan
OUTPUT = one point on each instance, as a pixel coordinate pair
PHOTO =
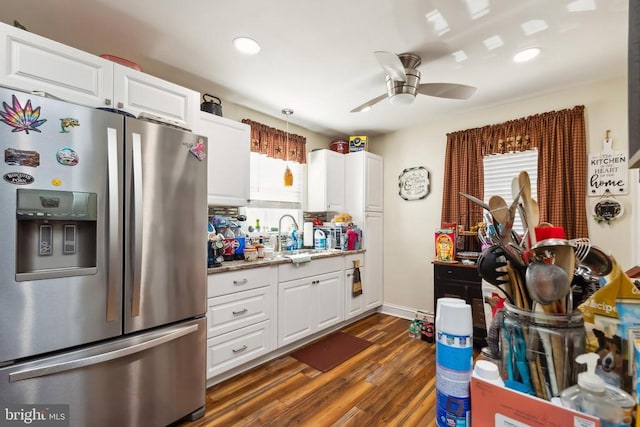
(403, 82)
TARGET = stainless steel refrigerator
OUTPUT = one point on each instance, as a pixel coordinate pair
(102, 264)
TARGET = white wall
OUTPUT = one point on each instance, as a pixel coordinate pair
(410, 225)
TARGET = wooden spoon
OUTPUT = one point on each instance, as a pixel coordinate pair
(532, 215)
(499, 209)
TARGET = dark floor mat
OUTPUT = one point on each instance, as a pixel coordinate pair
(331, 351)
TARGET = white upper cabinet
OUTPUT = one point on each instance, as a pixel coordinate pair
(364, 189)
(137, 92)
(326, 181)
(34, 63)
(228, 157)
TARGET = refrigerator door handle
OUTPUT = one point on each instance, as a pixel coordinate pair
(113, 280)
(56, 368)
(137, 223)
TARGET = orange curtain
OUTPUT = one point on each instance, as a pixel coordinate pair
(274, 142)
(560, 138)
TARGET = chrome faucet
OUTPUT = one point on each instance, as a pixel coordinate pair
(278, 247)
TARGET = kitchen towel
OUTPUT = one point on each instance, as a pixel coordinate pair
(356, 286)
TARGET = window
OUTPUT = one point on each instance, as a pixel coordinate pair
(499, 171)
(267, 181)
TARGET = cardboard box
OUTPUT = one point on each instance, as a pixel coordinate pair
(445, 240)
(357, 143)
(492, 405)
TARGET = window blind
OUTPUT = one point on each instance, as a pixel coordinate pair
(499, 171)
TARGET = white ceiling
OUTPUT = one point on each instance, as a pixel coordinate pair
(317, 56)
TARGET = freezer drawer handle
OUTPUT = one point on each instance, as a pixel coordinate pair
(240, 282)
(100, 358)
(239, 312)
(239, 350)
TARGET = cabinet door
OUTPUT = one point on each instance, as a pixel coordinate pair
(33, 63)
(373, 183)
(325, 180)
(137, 92)
(229, 157)
(295, 313)
(353, 305)
(373, 242)
(328, 300)
(335, 181)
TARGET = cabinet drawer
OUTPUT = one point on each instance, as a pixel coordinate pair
(460, 274)
(348, 260)
(242, 280)
(227, 313)
(227, 351)
(288, 272)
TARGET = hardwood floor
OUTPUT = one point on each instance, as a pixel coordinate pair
(391, 383)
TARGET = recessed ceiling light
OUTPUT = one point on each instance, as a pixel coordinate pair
(526, 55)
(246, 45)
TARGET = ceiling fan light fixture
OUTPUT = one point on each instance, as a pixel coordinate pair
(402, 99)
(527, 54)
(246, 45)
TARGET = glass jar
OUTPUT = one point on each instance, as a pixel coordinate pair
(539, 350)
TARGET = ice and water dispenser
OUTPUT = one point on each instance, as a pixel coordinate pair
(56, 234)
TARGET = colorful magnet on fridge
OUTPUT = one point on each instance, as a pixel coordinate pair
(199, 149)
(19, 118)
(67, 157)
(18, 178)
(15, 157)
(68, 122)
(56, 182)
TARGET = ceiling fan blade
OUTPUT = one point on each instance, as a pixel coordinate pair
(447, 90)
(369, 103)
(391, 65)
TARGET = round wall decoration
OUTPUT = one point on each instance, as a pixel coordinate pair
(607, 210)
(414, 183)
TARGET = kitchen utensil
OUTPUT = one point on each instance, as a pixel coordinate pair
(597, 261)
(581, 247)
(530, 207)
(476, 201)
(211, 104)
(548, 353)
(499, 209)
(546, 283)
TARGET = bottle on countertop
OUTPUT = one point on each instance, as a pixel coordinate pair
(593, 396)
(319, 239)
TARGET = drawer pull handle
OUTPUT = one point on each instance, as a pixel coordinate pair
(239, 312)
(240, 282)
(350, 274)
(241, 349)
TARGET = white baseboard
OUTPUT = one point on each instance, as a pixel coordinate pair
(403, 312)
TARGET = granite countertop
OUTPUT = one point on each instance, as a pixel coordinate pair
(242, 265)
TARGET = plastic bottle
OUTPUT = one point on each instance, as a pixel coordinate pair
(454, 364)
(487, 371)
(319, 239)
(613, 406)
(230, 244)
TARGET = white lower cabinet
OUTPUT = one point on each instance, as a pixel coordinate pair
(309, 304)
(227, 351)
(241, 312)
(353, 306)
(372, 283)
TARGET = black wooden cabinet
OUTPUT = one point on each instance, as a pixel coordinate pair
(461, 281)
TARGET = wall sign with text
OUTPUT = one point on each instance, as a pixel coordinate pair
(414, 183)
(607, 171)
